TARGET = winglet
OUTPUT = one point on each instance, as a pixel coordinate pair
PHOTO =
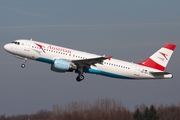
(109, 57)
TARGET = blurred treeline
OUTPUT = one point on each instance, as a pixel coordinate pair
(101, 109)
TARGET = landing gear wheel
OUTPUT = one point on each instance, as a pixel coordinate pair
(80, 78)
(23, 65)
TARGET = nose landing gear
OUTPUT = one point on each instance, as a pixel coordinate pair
(25, 59)
(23, 65)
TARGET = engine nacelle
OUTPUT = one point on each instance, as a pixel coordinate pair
(62, 66)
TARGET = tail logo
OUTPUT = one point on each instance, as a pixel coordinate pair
(164, 55)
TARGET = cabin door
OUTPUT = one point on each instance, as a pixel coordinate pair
(138, 70)
(28, 45)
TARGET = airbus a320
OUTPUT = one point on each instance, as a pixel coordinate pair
(64, 60)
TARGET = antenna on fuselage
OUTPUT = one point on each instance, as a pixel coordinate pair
(31, 39)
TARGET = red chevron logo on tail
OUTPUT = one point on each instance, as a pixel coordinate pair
(164, 55)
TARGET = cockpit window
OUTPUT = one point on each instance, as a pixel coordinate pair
(17, 43)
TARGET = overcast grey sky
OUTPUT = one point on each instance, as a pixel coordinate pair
(129, 30)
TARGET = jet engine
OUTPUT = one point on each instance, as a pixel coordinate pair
(63, 66)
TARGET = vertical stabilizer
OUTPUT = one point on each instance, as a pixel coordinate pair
(160, 59)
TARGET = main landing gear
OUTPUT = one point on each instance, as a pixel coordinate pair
(80, 77)
(23, 65)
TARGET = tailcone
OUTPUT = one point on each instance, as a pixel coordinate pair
(168, 76)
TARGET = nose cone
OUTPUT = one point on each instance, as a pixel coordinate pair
(7, 47)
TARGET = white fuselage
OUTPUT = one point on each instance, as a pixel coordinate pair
(48, 53)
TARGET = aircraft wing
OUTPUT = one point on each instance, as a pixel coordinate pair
(88, 62)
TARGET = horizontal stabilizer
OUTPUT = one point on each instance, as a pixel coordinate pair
(162, 74)
(159, 73)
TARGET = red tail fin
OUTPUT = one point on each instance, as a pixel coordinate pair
(160, 59)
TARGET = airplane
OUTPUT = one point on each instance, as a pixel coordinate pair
(64, 60)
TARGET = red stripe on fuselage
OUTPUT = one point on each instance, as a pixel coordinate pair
(150, 63)
(170, 46)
